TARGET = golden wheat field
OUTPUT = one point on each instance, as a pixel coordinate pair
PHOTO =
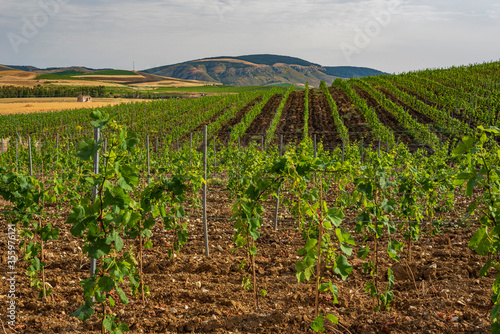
(30, 105)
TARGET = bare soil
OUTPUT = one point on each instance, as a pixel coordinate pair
(225, 132)
(457, 113)
(262, 122)
(321, 121)
(418, 116)
(291, 124)
(437, 292)
(388, 120)
(352, 117)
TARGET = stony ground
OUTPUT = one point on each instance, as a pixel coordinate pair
(437, 292)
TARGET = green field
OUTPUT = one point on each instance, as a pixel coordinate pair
(112, 72)
(64, 75)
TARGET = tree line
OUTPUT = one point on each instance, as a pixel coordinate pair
(39, 91)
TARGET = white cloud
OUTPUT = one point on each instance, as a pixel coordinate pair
(493, 12)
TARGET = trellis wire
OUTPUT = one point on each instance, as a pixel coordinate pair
(215, 218)
(44, 134)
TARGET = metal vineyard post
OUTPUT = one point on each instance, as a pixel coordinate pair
(205, 227)
(93, 262)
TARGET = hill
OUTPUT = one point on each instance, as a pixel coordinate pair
(52, 69)
(11, 77)
(29, 76)
(22, 68)
(5, 68)
(352, 71)
(268, 59)
(258, 70)
(246, 70)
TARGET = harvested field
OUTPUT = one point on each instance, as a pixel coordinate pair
(18, 78)
(31, 105)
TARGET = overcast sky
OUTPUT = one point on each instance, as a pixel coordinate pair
(389, 35)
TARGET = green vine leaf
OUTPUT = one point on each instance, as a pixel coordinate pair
(87, 149)
(317, 324)
(84, 312)
(480, 242)
(106, 283)
(122, 295)
(342, 267)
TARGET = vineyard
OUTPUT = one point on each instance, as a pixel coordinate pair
(370, 206)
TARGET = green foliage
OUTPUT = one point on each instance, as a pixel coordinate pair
(377, 187)
(251, 190)
(50, 91)
(325, 241)
(479, 158)
(277, 116)
(220, 89)
(318, 324)
(28, 196)
(168, 193)
(65, 75)
(112, 216)
(340, 127)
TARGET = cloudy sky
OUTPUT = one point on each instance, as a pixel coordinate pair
(389, 35)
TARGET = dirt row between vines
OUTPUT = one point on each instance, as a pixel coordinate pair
(224, 133)
(321, 122)
(261, 123)
(388, 120)
(438, 292)
(199, 128)
(457, 114)
(352, 117)
(291, 123)
(418, 116)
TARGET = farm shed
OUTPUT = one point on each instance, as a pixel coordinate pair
(84, 98)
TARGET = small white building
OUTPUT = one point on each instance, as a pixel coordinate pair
(84, 98)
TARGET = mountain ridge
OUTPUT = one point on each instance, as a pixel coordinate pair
(245, 70)
(352, 71)
(259, 70)
(49, 70)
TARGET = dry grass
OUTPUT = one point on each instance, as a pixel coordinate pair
(18, 78)
(27, 79)
(172, 83)
(31, 105)
(17, 75)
